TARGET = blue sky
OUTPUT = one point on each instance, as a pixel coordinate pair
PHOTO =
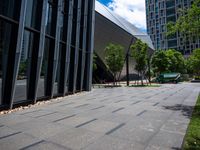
(105, 2)
(131, 10)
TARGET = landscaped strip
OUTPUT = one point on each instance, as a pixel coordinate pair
(192, 138)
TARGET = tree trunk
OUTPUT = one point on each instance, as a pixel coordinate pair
(149, 71)
(142, 79)
(114, 82)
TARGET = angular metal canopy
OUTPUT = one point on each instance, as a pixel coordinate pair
(124, 24)
(111, 28)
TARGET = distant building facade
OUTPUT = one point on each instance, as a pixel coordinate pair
(158, 14)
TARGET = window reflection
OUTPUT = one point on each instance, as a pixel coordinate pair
(1, 59)
(8, 38)
(33, 14)
(58, 72)
(64, 16)
(44, 70)
(10, 8)
(51, 17)
(21, 83)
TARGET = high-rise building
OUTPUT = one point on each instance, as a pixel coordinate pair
(158, 14)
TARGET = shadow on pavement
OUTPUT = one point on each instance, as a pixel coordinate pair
(184, 109)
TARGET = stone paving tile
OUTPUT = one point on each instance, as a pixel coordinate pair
(167, 139)
(96, 113)
(112, 143)
(17, 141)
(100, 126)
(45, 145)
(175, 127)
(12, 119)
(116, 117)
(75, 138)
(156, 115)
(53, 117)
(135, 134)
(46, 130)
(74, 121)
(6, 131)
(147, 124)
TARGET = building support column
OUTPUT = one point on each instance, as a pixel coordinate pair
(68, 47)
(56, 48)
(41, 49)
(10, 89)
(90, 45)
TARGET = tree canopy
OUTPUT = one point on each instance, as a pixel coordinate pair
(160, 62)
(193, 62)
(139, 53)
(114, 57)
(188, 22)
(176, 61)
(168, 61)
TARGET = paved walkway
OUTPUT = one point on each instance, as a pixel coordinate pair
(104, 119)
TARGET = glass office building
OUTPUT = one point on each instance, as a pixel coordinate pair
(46, 49)
(159, 13)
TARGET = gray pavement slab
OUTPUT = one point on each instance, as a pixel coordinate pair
(125, 118)
(45, 145)
(112, 143)
(75, 138)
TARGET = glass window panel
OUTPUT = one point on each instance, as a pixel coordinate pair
(8, 38)
(10, 8)
(1, 60)
(170, 3)
(21, 83)
(51, 17)
(171, 18)
(58, 72)
(172, 43)
(33, 14)
(170, 12)
(64, 20)
(44, 70)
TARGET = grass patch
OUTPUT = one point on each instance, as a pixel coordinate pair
(192, 138)
(152, 85)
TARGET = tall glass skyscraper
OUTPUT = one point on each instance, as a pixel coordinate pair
(158, 14)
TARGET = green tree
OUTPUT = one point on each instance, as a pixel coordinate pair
(193, 62)
(168, 61)
(139, 53)
(188, 22)
(94, 67)
(114, 57)
(160, 62)
(176, 61)
(23, 68)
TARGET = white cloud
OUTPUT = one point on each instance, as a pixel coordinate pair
(131, 10)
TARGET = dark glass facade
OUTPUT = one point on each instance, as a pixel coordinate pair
(46, 49)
